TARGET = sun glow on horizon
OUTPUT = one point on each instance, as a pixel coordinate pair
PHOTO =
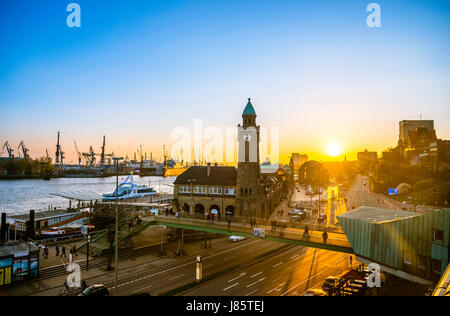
(334, 150)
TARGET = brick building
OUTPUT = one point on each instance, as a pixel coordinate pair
(243, 191)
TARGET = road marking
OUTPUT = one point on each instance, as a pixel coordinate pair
(255, 275)
(295, 286)
(276, 289)
(240, 276)
(227, 288)
(176, 277)
(252, 292)
(256, 282)
(229, 258)
(278, 264)
(293, 257)
(142, 289)
(276, 279)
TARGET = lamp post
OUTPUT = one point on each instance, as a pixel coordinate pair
(116, 239)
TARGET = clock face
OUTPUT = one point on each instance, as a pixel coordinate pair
(247, 138)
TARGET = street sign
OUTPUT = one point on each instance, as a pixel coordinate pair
(259, 232)
(199, 269)
(392, 191)
(84, 229)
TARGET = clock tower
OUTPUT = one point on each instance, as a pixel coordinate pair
(248, 187)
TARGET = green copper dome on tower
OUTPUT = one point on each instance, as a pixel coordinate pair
(249, 109)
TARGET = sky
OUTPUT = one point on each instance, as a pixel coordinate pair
(136, 70)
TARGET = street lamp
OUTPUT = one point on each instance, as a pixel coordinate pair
(116, 239)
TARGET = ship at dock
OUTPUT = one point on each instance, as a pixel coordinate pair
(129, 190)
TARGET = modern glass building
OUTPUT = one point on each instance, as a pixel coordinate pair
(410, 245)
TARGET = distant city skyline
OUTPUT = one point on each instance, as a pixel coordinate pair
(135, 72)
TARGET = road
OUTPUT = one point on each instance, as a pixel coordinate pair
(289, 273)
(360, 195)
(167, 274)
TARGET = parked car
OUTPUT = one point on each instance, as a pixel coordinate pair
(236, 238)
(322, 218)
(294, 212)
(315, 292)
(96, 290)
(330, 284)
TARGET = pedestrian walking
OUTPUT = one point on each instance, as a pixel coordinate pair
(351, 261)
(275, 224)
(57, 250)
(74, 250)
(43, 250)
(46, 253)
(306, 233)
(63, 252)
(325, 237)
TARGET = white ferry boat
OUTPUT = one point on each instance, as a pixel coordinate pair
(129, 190)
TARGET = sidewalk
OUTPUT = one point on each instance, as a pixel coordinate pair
(54, 260)
(128, 266)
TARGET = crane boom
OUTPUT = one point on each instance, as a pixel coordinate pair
(78, 153)
(9, 150)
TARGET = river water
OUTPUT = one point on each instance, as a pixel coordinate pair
(20, 196)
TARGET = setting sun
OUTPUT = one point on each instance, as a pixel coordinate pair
(334, 150)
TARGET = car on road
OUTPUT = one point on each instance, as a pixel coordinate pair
(295, 212)
(314, 292)
(296, 219)
(96, 290)
(330, 284)
(236, 238)
(322, 218)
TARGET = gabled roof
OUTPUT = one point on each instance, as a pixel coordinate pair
(249, 109)
(220, 175)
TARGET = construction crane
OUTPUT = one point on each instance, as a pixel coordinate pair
(90, 157)
(48, 156)
(9, 150)
(78, 153)
(25, 150)
(102, 155)
(59, 156)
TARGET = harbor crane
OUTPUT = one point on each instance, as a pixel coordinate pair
(59, 156)
(90, 157)
(79, 155)
(9, 150)
(25, 150)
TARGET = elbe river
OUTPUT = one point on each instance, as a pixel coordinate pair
(20, 196)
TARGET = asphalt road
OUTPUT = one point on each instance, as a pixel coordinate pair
(167, 274)
(289, 273)
(360, 195)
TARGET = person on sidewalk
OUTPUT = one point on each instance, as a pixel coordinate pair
(325, 237)
(43, 250)
(306, 233)
(74, 250)
(46, 252)
(63, 252)
(57, 250)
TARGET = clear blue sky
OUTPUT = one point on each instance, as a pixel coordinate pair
(137, 69)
